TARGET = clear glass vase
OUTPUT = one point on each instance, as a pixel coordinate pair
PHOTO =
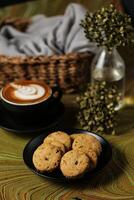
(109, 67)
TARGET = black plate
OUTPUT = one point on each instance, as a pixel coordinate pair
(104, 158)
(10, 124)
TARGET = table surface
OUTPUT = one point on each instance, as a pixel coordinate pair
(115, 181)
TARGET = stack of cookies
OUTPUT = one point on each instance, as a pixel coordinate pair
(74, 154)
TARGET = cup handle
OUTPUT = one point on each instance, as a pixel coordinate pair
(56, 93)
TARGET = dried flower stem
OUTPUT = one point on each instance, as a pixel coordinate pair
(97, 108)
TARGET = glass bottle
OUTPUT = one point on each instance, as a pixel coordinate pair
(108, 66)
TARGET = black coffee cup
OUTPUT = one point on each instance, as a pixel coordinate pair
(33, 111)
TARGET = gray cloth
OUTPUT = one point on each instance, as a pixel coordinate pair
(48, 35)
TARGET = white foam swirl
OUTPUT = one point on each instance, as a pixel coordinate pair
(30, 92)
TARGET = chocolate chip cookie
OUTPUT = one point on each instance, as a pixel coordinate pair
(86, 142)
(62, 137)
(74, 164)
(46, 158)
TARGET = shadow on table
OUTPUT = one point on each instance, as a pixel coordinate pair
(114, 169)
(125, 120)
(124, 125)
(67, 121)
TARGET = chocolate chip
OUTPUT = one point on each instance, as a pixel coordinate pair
(76, 162)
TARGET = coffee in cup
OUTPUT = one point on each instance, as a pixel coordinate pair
(24, 99)
(25, 93)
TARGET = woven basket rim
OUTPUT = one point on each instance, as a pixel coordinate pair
(44, 58)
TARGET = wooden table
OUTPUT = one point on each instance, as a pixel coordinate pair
(116, 181)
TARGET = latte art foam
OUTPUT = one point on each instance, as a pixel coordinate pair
(30, 92)
(26, 92)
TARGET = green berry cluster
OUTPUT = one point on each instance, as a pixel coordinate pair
(97, 108)
(107, 27)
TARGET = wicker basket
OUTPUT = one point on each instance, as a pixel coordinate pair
(69, 71)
